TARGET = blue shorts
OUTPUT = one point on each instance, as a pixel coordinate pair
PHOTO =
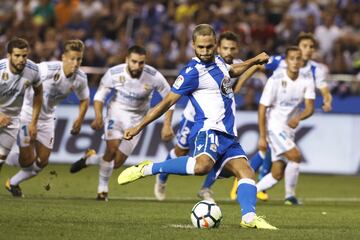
(219, 146)
(182, 135)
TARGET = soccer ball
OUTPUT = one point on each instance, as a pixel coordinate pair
(206, 214)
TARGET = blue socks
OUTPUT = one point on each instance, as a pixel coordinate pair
(266, 167)
(246, 195)
(181, 166)
(164, 176)
(210, 179)
(256, 161)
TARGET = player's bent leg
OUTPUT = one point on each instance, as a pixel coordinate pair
(180, 166)
(272, 178)
(120, 159)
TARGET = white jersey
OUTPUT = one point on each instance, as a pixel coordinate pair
(189, 110)
(56, 88)
(283, 96)
(318, 72)
(131, 94)
(13, 86)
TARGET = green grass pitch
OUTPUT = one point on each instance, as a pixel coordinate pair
(68, 210)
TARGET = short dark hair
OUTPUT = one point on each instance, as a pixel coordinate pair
(291, 49)
(203, 30)
(306, 36)
(228, 36)
(137, 49)
(74, 45)
(16, 43)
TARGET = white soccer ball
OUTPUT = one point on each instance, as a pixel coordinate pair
(206, 214)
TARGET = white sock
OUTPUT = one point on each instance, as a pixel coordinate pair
(266, 182)
(13, 159)
(105, 171)
(25, 174)
(93, 160)
(190, 166)
(249, 217)
(291, 178)
(1, 161)
(148, 169)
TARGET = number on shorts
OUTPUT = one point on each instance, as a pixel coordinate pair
(111, 124)
(214, 139)
(24, 128)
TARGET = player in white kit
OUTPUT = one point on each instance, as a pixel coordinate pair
(280, 114)
(134, 83)
(59, 79)
(17, 74)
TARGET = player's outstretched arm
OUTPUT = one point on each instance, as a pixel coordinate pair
(308, 111)
(262, 127)
(153, 114)
(327, 99)
(37, 102)
(239, 68)
(83, 107)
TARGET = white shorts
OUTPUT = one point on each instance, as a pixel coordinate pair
(280, 141)
(45, 133)
(114, 128)
(7, 139)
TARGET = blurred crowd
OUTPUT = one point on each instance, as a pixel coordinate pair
(164, 27)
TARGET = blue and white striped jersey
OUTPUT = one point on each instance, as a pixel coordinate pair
(318, 72)
(13, 86)
(189, 111)
(209, 88)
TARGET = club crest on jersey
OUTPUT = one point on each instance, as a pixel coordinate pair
(147, 87)
(5, 76)
(226, 88)
(283, 84)
(122, 80)
(213, 147)
(27, 83)
(56, 77)
(178, 82)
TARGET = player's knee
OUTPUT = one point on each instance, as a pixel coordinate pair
(278, 175)
(202, 168)
(180, 152)
(295, 156)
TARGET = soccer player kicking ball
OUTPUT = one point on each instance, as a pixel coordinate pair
(59, 79)
(17, 74)
(279, 115)
(134, 83)
(206, 80)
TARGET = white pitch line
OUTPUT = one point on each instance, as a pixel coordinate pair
(306, 199)
(184, 226)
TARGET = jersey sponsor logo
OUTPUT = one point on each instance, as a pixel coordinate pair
(56, 77)
(5, 76)
(178, 82)
(226, 88)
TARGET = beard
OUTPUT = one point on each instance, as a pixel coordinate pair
(18, 67)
